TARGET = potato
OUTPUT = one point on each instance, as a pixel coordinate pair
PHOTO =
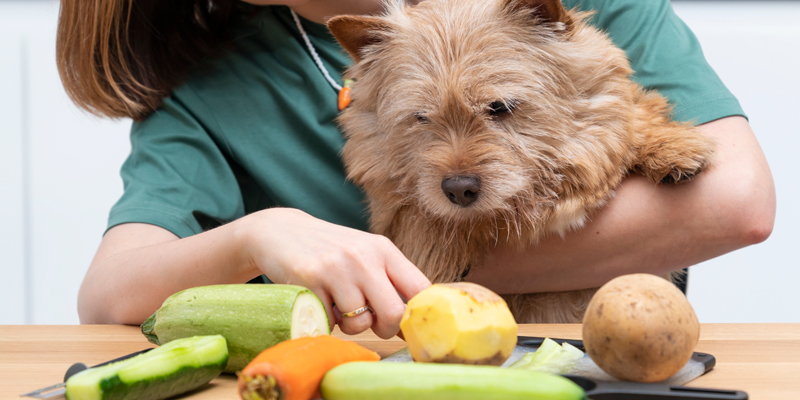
(460, 323)
(641, 328)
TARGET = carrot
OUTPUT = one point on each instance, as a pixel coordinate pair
(344, 94)
(293, 370)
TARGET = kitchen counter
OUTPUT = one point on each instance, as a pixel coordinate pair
(760, 359)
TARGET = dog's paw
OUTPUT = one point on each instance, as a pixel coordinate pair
(679, 175)
(676, 158)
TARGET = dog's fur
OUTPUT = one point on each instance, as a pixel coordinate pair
(427, 79)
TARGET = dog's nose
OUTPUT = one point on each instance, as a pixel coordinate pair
(461, 190)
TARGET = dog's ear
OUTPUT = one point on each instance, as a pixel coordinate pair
(545, 10)
(355, 32)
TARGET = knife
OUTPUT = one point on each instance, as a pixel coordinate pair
(60, 388)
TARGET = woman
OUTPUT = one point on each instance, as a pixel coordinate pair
(234, 169)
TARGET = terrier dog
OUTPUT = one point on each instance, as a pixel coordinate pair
(475, 122)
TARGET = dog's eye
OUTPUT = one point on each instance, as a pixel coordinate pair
(498, 108)
(420, 117)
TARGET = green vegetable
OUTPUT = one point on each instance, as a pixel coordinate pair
(251, 317)
(423, 381)
(172, 369)
(551, 358)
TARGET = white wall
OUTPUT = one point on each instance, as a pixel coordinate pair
(755, 47)
(12, 273)
(59, 169)
(59, 166)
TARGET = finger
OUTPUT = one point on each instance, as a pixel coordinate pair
(337, 314)
(388, 307)
(347, 300)
(405, 276)
(328, 304)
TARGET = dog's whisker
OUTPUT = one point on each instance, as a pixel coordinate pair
(471, 227)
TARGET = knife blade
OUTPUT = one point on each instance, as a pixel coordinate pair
(60, 388)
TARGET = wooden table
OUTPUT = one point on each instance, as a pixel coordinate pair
(761, 359)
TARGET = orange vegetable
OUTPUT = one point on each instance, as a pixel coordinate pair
(344, 94)
(293, 370)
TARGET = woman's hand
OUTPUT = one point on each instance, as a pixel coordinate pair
(139, 265)
(343, 266)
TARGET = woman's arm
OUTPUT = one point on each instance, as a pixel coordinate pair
(138, 266)
(654, 229)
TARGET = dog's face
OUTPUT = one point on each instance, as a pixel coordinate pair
(469, 108)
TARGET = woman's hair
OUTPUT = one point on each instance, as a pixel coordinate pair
(120, 58)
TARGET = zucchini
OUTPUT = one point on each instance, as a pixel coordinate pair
(251, 317)
(172, 369)
(423, 381)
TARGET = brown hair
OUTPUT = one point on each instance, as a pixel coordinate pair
(120, 58)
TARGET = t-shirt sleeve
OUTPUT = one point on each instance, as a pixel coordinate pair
(176, 176)
(665, 55)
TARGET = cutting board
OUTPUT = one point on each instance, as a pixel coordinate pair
(699, 364)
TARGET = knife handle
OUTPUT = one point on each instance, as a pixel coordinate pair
(78, 367)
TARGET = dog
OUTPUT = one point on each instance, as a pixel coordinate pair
(476, 122)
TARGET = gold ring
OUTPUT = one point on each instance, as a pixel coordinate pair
(356, 312)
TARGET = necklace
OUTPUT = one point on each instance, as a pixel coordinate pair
(313, 52)
(343, 90)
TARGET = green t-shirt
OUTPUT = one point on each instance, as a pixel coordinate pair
(255, 128)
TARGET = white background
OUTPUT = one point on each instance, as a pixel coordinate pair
(59, 167)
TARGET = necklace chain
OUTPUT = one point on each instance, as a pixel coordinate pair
(313, 50)
(314, 54)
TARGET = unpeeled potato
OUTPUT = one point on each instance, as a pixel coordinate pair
(641, 328)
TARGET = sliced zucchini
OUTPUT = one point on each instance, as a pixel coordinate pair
(174, 368)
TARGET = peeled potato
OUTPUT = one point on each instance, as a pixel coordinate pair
(641, 328)
(459, 323)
